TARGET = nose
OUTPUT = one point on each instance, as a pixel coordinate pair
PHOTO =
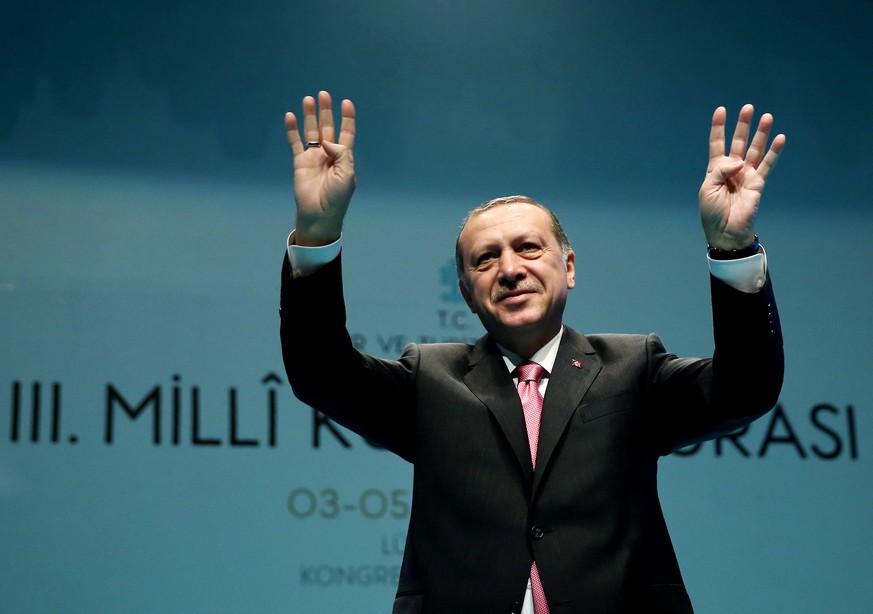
(511, 269)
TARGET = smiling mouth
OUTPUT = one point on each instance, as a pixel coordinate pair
(505, 295)
(515, 294)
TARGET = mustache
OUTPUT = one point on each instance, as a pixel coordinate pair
(525, 285)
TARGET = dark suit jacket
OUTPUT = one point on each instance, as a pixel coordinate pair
(589, 514)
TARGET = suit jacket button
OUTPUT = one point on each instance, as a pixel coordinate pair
(515, 608)
(536, 532)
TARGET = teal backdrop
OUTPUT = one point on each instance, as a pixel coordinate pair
(152, 456)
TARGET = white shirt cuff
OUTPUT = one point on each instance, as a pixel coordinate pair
(744, 274)
(307, 260)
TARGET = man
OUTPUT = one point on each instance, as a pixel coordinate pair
(535, 449)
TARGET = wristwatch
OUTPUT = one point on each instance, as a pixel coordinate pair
(733, 254)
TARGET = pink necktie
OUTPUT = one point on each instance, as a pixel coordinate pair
(529, 375)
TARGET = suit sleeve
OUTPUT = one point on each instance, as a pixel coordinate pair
(697, 399)
(370, 396)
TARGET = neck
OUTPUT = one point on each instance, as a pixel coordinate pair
(526, 346)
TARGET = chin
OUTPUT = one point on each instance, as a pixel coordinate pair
(521, 321)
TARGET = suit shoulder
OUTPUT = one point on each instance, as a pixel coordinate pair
(606, 340)
(442, 351)
(446, 359)
(618, 344)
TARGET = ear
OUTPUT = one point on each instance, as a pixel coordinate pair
(571, 269)
(466, 294)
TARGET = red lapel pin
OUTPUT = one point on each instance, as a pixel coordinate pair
(576, 363)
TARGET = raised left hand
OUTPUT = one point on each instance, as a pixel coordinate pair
(731, 191)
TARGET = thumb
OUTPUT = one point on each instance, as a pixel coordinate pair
(340, 157)
(338, 154)
(342, 166)
(728, 169)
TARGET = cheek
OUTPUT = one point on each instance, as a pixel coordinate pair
(481, 289)
(483, 297)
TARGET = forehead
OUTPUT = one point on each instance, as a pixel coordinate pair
(506, 222)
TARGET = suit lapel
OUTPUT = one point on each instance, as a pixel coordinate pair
(491, 382)
(576, 366)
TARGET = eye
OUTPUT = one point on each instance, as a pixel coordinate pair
(484, 259)
(529, 249)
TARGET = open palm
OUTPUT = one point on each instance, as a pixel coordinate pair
(324, 169)
(731, 191)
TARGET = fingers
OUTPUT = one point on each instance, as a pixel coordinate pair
(759, 142)
(716, 133)
(347, 128)
(741, 132)
(755, 153)
(310, 121)
(769, 160)
(318, 124)
(325, 117)
(293, 136)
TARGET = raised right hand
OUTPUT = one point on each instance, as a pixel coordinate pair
(324, 177)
